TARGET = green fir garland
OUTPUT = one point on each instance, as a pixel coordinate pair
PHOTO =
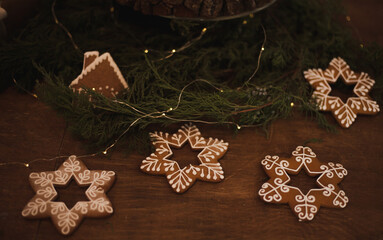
(300, 35)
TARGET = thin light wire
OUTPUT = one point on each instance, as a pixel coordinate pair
(156, 114)
(259, 57)
(185, 46)
(63, 27)
(25, 90)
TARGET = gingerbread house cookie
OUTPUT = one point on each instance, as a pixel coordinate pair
(304, 206)
(209, 169)
(101, 74)
(42, 205)
(344, 113)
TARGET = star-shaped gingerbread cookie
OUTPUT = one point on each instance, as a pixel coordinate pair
(67, 220)
(345, 113)
(209, 169)
(305, 206)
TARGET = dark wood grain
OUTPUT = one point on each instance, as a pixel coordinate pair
(147, 208)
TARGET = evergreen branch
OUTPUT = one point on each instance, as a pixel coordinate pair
(300, 35)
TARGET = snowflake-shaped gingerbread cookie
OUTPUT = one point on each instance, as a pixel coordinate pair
(67, 220)
(305, 206)
(209, 169)
(345, 113)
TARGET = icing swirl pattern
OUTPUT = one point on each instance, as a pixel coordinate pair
(305, 206)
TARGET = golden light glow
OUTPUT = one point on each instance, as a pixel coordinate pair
(292, 104)
(173, 51)
(238, 127)
(26, 164)
(348, 19)
(146, 51)
(244, 22)
(263, 49)
(105, 152)
(204, 29)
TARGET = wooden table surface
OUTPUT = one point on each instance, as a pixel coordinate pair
(145, 207)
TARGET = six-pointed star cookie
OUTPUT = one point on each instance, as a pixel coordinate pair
(180, 180)
(305, 206)
(345, 113)
(66, 220)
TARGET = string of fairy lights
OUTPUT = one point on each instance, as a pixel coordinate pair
(157, 114)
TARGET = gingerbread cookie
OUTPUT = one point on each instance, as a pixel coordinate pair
(101, 74)
(344, 113)
(209, 169)
(305, 206)
(67, 220)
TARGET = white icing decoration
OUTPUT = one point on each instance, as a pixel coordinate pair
(214, 148)
(69, 219)
(43, 179)
(151, 163)
(57, 207)
(179, 180)
(208, 170)
(92, 191)
(305, 208)
(61, 177)
(101, 205)
(34, 207)
(345, 113)
(72, 165)
(82, 207)
(47, 192)
(97, 61)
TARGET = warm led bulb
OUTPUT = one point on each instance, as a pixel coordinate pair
(238, 127)
(292, 104)
(204, 29)
(146, 51)
(244, 22)
(26, 164)
(173, 51)
(105, 152)
(263, 49)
